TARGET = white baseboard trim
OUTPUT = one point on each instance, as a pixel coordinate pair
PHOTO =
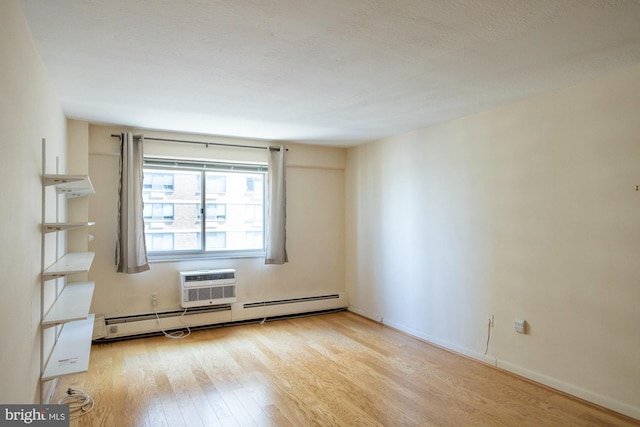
(439, 342)
(360, 312)
(579, 392)
(573, 390)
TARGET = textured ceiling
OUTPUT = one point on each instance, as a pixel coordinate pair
(328, 71)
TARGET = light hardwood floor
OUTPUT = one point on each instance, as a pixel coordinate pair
(334, 369)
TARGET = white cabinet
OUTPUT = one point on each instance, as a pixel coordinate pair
(68, 315)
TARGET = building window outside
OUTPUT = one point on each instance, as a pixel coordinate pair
(158, 181)
(216, 183)
(158, 211)
(216, 212)
(254, 184)
(159, 241)
(232, 223)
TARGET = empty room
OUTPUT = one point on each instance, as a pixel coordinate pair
(340, 213)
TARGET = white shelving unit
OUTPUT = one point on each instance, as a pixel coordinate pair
(51, 227)
(70, 263)
(70, 185)
(71, 353)
(72, 304)
(69, 314)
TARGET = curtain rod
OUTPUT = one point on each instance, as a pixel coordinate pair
(207, 144)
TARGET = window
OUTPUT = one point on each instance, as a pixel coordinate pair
(216, 212)
(158, 211)
(177, 226)
(159, 241)
(158, 181)
(250, 185)
(216, 183)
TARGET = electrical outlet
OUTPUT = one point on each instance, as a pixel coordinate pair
(154, 299)
(520, 326)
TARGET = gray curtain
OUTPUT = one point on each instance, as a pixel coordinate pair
(276, 250)
(131, 250)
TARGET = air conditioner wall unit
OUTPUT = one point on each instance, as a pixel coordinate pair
(207, 287)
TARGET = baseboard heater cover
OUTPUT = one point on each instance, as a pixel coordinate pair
(97, 340)
(146, 324)
(164, 314)
(289, 301)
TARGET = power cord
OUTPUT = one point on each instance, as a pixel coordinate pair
(264, 310)
(486, 349)
(176, 335)
(80, 403)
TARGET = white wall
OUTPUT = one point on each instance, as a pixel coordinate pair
(315, 227)
(29, 111)
(78, 207)
(529, 211)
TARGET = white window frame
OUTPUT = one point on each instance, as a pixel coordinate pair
(208, 166)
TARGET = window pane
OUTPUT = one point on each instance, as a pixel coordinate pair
(235, 208)
(173, 211)
(171, 222)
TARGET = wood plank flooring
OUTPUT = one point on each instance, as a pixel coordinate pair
(334, 369)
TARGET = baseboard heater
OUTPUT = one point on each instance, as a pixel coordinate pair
(289, 301)
(146, 324)
(152, 316)
(283, 307)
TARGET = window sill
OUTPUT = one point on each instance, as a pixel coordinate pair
(177, 257)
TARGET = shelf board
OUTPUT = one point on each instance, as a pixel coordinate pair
(72, 349)
(51, 227)
(71, 263)
(70, 185)
(72, 304)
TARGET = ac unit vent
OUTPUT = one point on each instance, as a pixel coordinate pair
(207, 287)
(197, 276)
(211, 293)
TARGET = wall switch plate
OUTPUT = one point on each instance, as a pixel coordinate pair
(520, 326)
